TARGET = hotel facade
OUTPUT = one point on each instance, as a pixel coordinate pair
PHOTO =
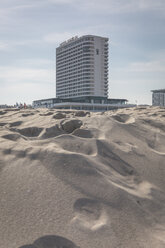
(82, 76)
(82, 67)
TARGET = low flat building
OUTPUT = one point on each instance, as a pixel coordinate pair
(158, 97)
(91, 103)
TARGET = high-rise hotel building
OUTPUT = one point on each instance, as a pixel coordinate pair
(82, 67)
(82, 76)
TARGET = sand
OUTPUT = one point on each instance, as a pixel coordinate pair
(72, 179)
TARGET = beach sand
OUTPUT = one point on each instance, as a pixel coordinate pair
(72, 179)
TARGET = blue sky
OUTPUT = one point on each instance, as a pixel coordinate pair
(30, 30)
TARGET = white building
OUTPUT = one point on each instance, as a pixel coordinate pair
(82, 67)
(158, 97)
(82, 77)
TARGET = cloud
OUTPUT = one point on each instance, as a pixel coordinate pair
(150, 67)
(4, 17)
(36, 62)
(3, 46)
(114, 6)
(151, 4)
(125, 6)
(26, 84)
(9, 10)
(141, 94)
(137, 79)
(12, 75)
(12, 45)
(25, 92)
(58, 37)
(62, 1)
(18, 4)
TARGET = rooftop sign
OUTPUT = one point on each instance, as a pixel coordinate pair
(68, 41)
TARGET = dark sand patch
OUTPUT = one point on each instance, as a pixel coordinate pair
(12, 136)
(70, 125)
(47, 114)
(16, 123)
(83, 133)
(30, 131)
(81, 113)
(59, 115)
(27, 114)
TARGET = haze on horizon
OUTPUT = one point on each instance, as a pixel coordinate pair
(30, 30)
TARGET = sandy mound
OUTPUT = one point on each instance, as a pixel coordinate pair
(74, 179)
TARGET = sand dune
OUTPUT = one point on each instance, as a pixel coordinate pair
(72, 179)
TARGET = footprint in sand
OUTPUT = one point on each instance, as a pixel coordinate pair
(30, 131)
(70, 125)
(46, 114)
(12, 136)
(59, 115)
(51, 241)
(27, 114)
(89, 214)
(81, 113)
(123, 118)
(3, 112)
(3, 124)
(16, 123)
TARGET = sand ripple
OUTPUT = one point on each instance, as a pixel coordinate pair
(80, 179)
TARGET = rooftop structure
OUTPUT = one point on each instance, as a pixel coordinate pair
(82, 67)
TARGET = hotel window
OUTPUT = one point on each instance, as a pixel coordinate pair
(97, 51)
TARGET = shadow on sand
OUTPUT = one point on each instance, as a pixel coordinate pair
(51, 241)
